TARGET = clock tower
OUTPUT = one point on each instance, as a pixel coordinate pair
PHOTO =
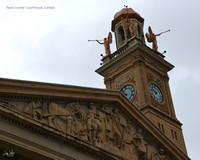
(141, 74)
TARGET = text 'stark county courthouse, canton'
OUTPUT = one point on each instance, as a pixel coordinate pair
(132, 119)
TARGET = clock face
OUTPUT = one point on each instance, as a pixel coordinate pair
(156, 93)
(128, 91)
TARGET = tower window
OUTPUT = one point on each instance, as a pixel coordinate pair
(163, 130)
(159, 125)
(172, 133)
(175, 135)
(121, 36)
(128, 34)
(139, 31)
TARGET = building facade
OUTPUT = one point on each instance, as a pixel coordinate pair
(132, 119)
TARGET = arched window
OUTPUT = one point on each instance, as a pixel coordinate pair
(128, 33)
(139, 31)
(121, 36)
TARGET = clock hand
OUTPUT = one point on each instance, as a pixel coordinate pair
(155, 92)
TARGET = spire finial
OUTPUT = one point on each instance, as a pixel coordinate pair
(125, 6)
(126, 12)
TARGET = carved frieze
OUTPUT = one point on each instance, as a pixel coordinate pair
(151, 78)
(140, 145)
(100, 125)
(161, 107)
(135, 100)
(161, 155)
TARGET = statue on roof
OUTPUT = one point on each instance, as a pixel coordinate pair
(151, 37)
(107, 42)
(128, 25)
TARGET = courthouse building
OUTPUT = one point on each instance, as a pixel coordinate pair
(132, 119)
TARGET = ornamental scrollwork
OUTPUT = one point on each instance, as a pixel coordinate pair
(119, 83)
(151, 78)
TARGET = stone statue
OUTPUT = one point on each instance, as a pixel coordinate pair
(160, 156)
(107, 42)
(129, 26)
(63, 118)
(55, 114)
(33, 109)
(127, 137)
(116, 128)
(98, 122)
(139, 144)
(75, 119)
(91, 125)
(151, 37)
(69, 124)
(127, 133)
(108, 127)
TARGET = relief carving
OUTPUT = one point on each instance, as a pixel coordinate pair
(91, 126)
(108, 127)
(62, 118)
(116, 129)
(135, 102)
(33, 109)
(6, 104)
(58, 116)
(87, 124)
(139, 144)
(127, 137)
(156, 80)
(127, 142)
(118, 84)
(160, 155)
(75, 119)
(159, 106)
(149, 77)
(100, 125)
(94, 125)
(98, 122)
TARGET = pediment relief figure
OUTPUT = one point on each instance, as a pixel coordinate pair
(116, 128)
(100, 125)
(33, 109)
(160, 155)
(94, 125)
(139, 144)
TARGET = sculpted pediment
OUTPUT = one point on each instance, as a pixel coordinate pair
(102, 119)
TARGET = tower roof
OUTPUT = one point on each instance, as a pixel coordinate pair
(123, 13)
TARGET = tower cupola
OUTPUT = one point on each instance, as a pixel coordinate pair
(127, 24)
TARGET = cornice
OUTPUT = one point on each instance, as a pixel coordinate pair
(162, 114)
(131, 52)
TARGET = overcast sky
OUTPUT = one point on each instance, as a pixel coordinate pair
(51, 45)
